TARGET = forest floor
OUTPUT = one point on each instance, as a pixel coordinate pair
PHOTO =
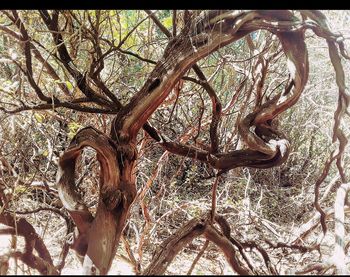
(180, 265)
(52, 229)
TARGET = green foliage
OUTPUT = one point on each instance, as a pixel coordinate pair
(73, 128)
(38, 117)
(167, 22)
(69, 85)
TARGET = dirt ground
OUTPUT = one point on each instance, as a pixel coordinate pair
(181, 264)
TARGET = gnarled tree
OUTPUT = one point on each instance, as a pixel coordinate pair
(261, 143)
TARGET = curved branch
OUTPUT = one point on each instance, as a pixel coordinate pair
(181, 53)
(224, 161)
(44, 62)
(227, 248)
(173, 245)
(66, 185)
(167, 251)
(216, 109)
(116, 195)
(57, 104)
(200, 254)
(268, 151)
(52, 25)
(43, 263)
(29, 69)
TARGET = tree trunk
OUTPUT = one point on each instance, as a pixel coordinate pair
(99, 235)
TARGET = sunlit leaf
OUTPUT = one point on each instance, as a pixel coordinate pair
(38, 117)
(168, 22)
(73, 129)
(69, 85)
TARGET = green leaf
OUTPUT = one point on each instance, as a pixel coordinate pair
(69, 85)
(73, 129)
(20, 189)
(38, 117)
(168, 22)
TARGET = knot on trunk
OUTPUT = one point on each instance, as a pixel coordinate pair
(111, 197)
(127, 151)
(97, 234)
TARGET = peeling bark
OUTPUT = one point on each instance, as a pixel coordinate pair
(117, 191)
(173, 245)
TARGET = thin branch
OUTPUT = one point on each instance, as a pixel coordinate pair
(158, 23)
(200, 254)
(339, 230)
